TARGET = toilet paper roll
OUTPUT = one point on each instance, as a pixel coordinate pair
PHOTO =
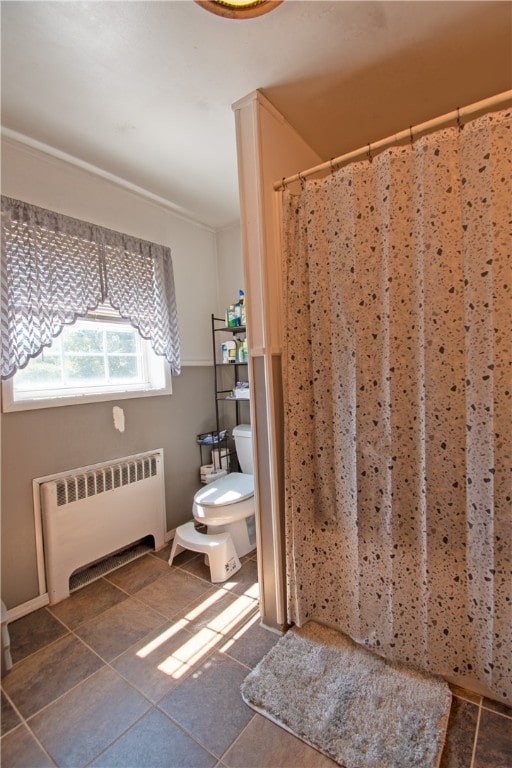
(205, 470)
(216, 474)
(220, 458)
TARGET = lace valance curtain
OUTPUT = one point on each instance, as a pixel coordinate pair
(56, 269)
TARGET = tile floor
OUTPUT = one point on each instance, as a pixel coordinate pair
(142, 669)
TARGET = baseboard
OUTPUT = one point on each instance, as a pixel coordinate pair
(29, 607)
(39, 602)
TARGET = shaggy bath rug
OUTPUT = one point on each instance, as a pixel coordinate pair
(349, 703)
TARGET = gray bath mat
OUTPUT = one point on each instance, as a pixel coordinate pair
(349, 703)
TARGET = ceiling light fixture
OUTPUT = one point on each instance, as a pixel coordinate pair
(239, 9)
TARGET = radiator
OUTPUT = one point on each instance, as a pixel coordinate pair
(92, 512)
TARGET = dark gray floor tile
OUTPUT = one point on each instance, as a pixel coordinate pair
(249, 644)
(195, 565)
(221, 611)
(463, 693)
(245, 582)
(10, 718)
(154, 742)
(460, 734)
(171, 593)
(32, 632)
(497, 706)
(21, 750)
(181, 558)
(138, 574)
(265, 745)
(47, 674)
(84, 722)
(88, 602)
(119, 627)
(158, 663)
(209, 704)
(163, 554)
(494, 741)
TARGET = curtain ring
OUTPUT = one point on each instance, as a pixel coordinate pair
(460, 126)
(283, 184)
(302, 182)
(332, 165)
(410, 135)
(370, 157)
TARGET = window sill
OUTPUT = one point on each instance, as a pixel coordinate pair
(11, 406)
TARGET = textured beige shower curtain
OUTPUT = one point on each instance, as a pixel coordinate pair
(397, 379)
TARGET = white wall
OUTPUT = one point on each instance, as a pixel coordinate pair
(230, 277)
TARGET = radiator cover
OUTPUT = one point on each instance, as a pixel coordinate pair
(91, 512)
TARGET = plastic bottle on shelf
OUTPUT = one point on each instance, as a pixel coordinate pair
(230, 316)
(243, 313)
(228, 352)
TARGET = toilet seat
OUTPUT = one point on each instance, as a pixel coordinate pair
(229, 489)
(225, 501)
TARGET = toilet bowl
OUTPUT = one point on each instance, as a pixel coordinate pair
(227, 505)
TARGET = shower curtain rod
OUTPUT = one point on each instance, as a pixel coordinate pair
(486, 104)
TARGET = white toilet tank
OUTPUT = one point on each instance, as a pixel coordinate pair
(243, 444)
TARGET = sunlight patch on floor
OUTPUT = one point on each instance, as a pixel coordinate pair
(203, 641)
(190, 653)
(248, 624)
(162, 638)
(231, 616)
(253, 591)
(204, 605)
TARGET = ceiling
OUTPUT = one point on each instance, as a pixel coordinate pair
(144, 90)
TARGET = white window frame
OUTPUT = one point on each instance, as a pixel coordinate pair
(156, 365)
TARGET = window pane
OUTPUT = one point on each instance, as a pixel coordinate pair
(42, 371)
(55, 348)
(83, 340)
(124, 368)
(88, 359)
(89, 370)
(122, 341)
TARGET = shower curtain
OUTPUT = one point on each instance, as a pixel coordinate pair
(397, 387)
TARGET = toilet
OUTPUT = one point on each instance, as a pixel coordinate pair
(226, 507)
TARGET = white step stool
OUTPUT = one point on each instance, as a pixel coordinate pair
(217, 547)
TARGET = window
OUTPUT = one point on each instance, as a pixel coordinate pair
(55, 268)
(97, 358)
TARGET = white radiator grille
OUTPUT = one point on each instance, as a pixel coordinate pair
(92, 512)
(75, 487)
